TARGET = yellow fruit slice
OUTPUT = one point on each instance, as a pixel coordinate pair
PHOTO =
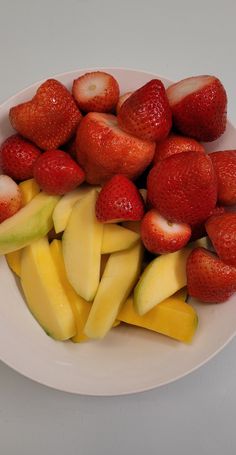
(117, 238)
(44, 292)
(172, 317)
(81, 243)
(80, 307)
(120, 275)
(165, 275)
(14, 261)
(132, 225)
(29, 188)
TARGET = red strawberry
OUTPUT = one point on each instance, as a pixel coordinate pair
(208, 278)
(183, 187)
(161, 236)
(121, 100)
(174, 144)
(199, 107)
(225, 168)
(104, 150)
(222, 232)
(199, 229)
(119, 200)
(10, 197)
(96, 92)
(146, 113)
(50, 118)
(56, 172)
(17, 157)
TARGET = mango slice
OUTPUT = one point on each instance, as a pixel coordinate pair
(14, 261)
(32, 222)
(120, 275)
(172, 317)
(80, 307)
(64, 207)
(117, 238)
(81, 244)
(165, 275)
(45, 295)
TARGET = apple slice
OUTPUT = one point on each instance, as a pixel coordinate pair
(116, 238)
(82, 243)
(120, 275)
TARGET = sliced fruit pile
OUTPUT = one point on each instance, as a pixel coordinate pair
(107, 203)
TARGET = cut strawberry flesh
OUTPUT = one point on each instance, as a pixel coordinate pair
(181, 89)
(91, 86)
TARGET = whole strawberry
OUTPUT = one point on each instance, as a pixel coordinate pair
(174, 144)
(183, 187)
(10, 197)
(161, 236)
(146, 113)
(104, 150)
(199, 107)
(96, 92)
(119, 200)
(208, 278)
(225, 168)
(222, 232)
(17, 157)
(199, 229)
(56, 172)
(50, 118)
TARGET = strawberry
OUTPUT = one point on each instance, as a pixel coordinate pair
(50, 118)
(96, 92)
(225, 168)
(17, 157)
(162, 236)
(119, 200)
(199, 107)
(222, 232)
(56, 172)
(199, 229)
(121, 100)
(208, 278)
(10, 197)
(183, 187)
(104, 150)
(146, 113)
(174, 144)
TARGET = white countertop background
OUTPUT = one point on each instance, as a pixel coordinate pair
(196, 415)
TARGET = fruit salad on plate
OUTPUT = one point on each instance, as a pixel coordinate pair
(112, 212)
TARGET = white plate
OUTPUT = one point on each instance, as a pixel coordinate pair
(129, 359)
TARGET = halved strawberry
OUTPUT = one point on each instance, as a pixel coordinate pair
(162, 236)
(10, 197)
(121, 100)
(174, 144)
(222, 232)
(199, 107)
(17, 157)
(119, 200)
(208, 278)
(56, 172)
(96, 92)
(146, 113)
(103, 149)
(50, 118)
(225, 168)
(183, 187)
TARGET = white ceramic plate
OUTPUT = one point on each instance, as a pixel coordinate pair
(129, 359)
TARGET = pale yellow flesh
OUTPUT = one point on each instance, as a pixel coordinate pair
(29, 188)
(64, 207)
(80, 307)
(30, 223)
(132, 225)
(117, 238)
(44, 292)
(82, 243)
(172, 317)
(165, 275)
(120, 275)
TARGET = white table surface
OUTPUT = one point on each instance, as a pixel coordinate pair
(173, 38)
